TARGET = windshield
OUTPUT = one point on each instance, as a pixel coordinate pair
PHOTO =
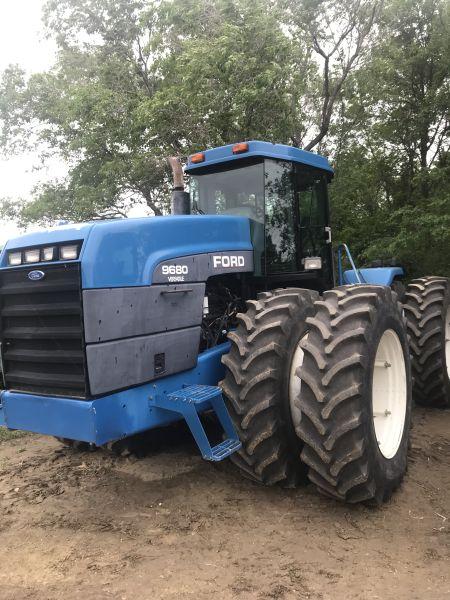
(236, 191)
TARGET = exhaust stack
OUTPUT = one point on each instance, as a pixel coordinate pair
(181, 204)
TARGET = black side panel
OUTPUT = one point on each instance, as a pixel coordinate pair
(125, 363)
(199, 267)
(42, 332)
(115, 313)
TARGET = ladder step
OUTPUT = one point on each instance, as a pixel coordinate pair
(194, 399)
(196, 394)
(224, 449)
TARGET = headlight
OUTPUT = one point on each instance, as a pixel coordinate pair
(48, 253)
(312, 263)
(69, 252)
(15, 258)
(32, 256)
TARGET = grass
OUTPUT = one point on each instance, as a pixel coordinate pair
(6, 434)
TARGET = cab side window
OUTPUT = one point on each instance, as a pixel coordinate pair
(280, 222)
(311, 191)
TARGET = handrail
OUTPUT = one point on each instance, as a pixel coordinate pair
(358, 275)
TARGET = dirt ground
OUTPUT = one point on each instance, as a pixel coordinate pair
(171, 526)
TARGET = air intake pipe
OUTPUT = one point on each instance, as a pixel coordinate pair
(181, 203)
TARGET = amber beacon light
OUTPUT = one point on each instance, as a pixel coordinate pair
(198, 158)
(239, 148)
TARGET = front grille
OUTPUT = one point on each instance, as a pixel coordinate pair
(42, 331)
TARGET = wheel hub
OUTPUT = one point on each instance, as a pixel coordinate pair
(389, 393)
(295, 383)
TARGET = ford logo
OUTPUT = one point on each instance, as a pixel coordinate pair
(36, 275)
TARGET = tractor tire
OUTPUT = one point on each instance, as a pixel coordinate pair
(356, 394)
(260, 370)
(427, 309)
(399, 288)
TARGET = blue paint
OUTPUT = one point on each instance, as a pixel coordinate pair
(357, 275)
(112, 417)
(376, 275)
(225, 154)
(124, 252)
(2, 413)
(370, 275)
(188, 402)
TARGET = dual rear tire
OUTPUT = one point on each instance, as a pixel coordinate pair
(427, 309)
(259, 385)
(304, 378)
(356, 394)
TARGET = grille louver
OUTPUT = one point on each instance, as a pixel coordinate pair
(42, 331)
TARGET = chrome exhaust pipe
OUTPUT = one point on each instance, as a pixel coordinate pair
(181, 202)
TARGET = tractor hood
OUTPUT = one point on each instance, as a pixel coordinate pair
(122, 253)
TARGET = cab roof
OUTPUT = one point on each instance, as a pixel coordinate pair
(224, 154)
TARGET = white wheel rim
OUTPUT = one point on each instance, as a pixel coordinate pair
(295, 383)
(389, 393)
(447, 341)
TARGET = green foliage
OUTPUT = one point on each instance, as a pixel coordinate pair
(227, 77)
(391, 196)
(417, 234)
(137, 81)
(145, 83)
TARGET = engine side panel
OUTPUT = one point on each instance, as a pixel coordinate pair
(125, 363)
(122, 316)
(111, 314)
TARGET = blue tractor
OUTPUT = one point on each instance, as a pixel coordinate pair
(227, 306)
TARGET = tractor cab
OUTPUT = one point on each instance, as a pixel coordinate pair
(283, 191)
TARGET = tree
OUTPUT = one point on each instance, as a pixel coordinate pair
(84, 110)
(408, 84)
(395, 129)
(336, 34)
(135, 82)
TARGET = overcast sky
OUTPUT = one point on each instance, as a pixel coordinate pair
(22, 41)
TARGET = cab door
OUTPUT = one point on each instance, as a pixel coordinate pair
(313, 209)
